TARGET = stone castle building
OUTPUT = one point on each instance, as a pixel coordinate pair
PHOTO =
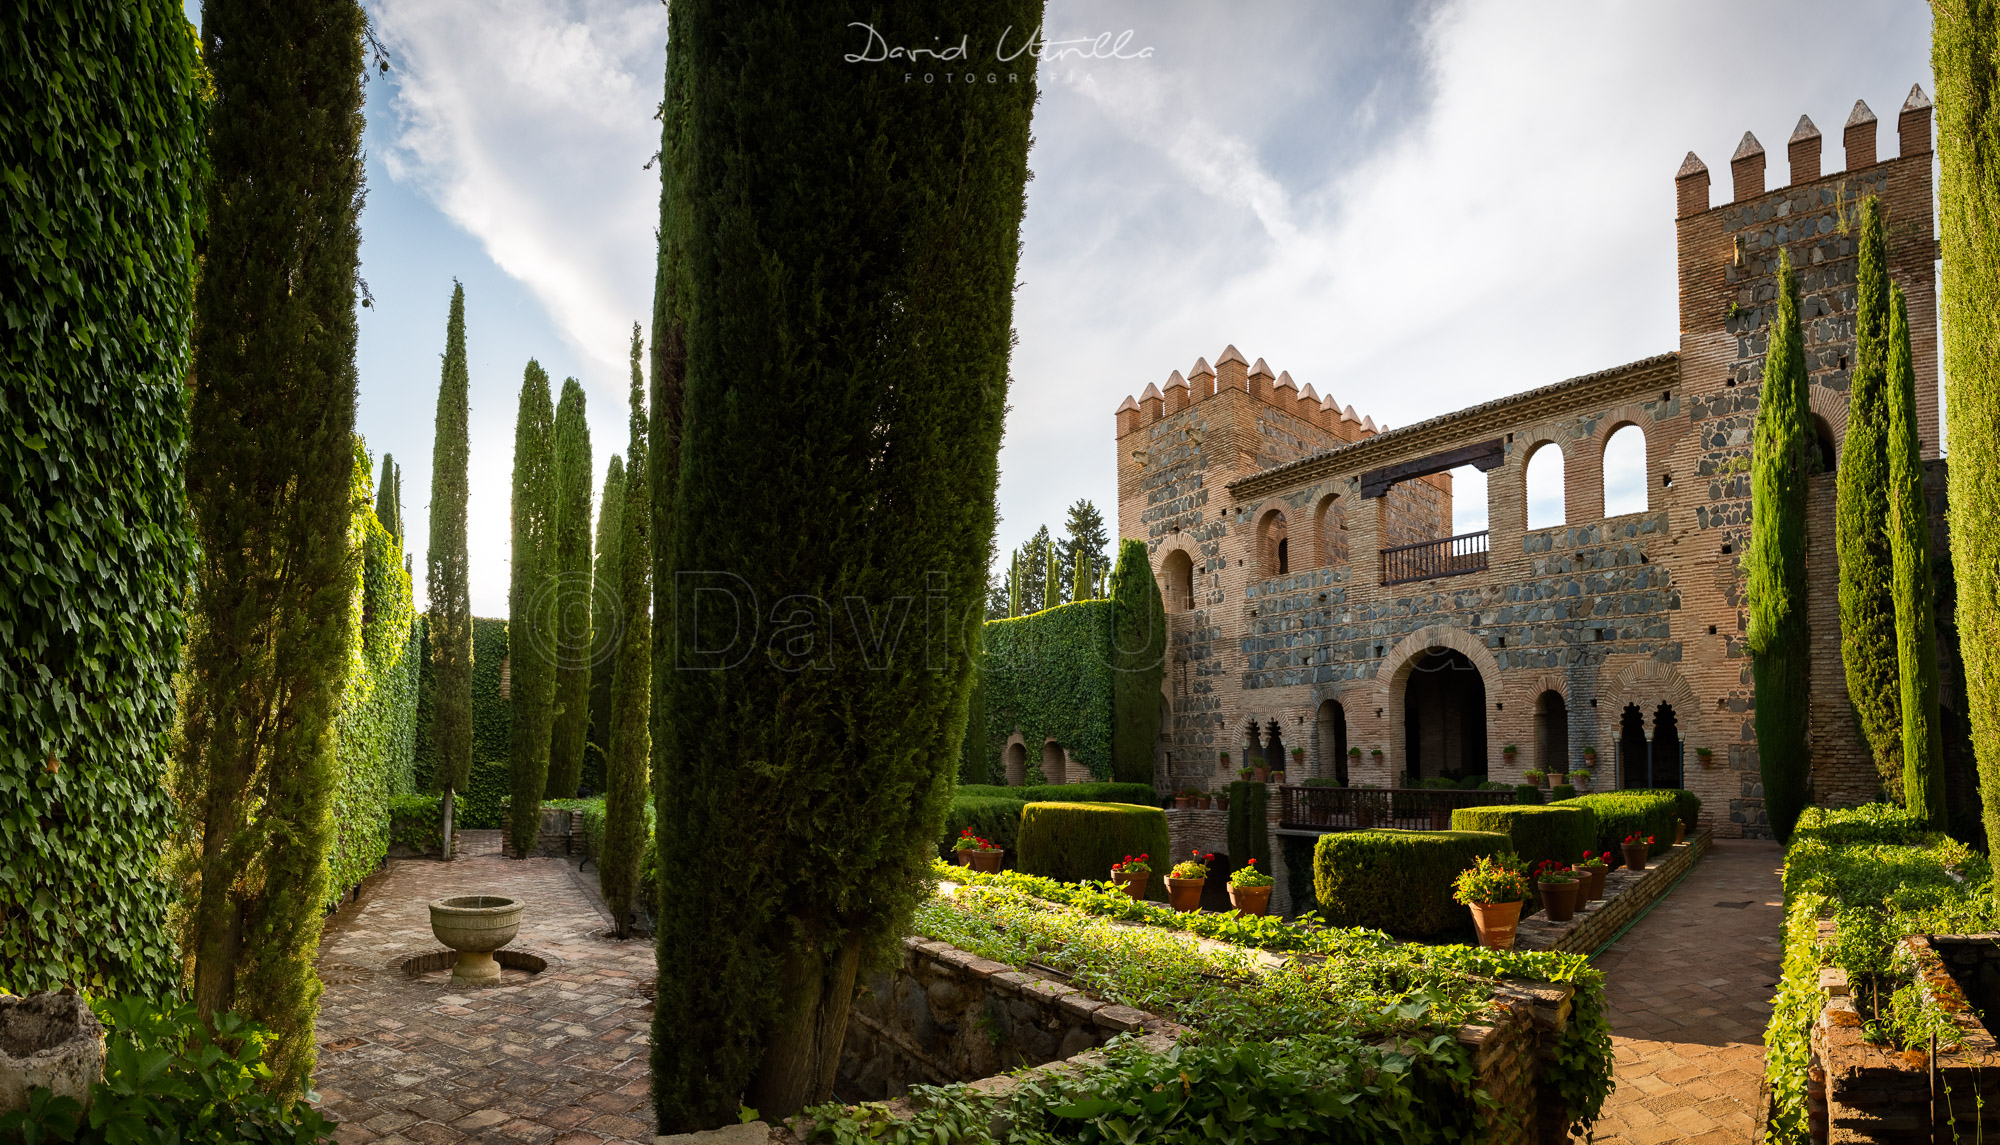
(1317, 600)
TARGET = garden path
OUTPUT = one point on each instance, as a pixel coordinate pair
(559, 1056)
(1689, 989)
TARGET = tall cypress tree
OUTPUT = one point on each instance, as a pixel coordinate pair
(1861, 520)
(631, 700)
(1779, 636)
(389, 498)
(1910, 545)
(270, 488)
(1965, 58)
(1139, 657)
(604, 612)
(836, 348)
(572, 573)
(448, 624)
(531, 606)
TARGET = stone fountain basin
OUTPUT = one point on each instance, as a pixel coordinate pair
(50, 1040)
(475, 926)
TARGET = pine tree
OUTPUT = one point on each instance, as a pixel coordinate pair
(269, 482)
(448, 624)
(1861, 522)
(1779, 636)
(531, 599)
(1084, 541)
(836, 350)
(604, 612)
(1916, 622)
(573, 604)
(632, 672)
(1965, 58)
(1139, 655)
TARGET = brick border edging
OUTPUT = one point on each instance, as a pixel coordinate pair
(1599, 920)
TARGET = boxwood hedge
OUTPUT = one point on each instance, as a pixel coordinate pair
(995, 818)
(1071, 841)
(1398, 881)
(1140, 793)
(1622, 813)
(1559, 832)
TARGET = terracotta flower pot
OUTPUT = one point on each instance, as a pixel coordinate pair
(1559, 899)
(1260, 774)
(1184, 894)
(1183, 802)
(1558, 778)
(1496, 922)
(1135, 885)
(1250, 900)
(1593, 884)
(1635, 855)
(985, 862)
(1680, 832)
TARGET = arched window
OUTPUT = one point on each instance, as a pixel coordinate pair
(1177, 581)
(1017, 764)
(1823, 454)
(1545, 486)
(1625, 486)
(1551, 732)
(1331, 525)
(1332, 727)
(1271, 544)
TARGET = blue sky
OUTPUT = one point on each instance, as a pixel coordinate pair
(1411, 206)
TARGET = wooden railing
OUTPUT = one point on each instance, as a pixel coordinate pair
(1452, 556)
(1359, 808)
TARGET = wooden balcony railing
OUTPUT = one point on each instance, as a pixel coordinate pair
(1452, 556)
(1359, 808)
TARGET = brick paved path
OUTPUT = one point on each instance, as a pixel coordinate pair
(558, 1056)
(1690, 990)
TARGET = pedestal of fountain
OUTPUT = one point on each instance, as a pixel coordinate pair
(475, 926)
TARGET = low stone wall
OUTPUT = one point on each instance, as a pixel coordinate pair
(1861, 1092)
(1627, 894)
(554, 840)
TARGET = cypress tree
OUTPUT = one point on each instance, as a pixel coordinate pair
(573, 605)
(531, 601)
(604, 612)
(1139, 655)
(101, 109)
(631, 706)
(1916, 621)
(1861, 521)
(1052, 577)
(448, 624)
(389, 498)
(270, 488)
(1779, 637)
(836, 348)
(1965, 58)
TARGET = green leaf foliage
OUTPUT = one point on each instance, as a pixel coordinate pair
(604, 632)
(449, 627)
(1562, 832)
(627, 827)
(531, 607)
(1916, 618)
(1861, 516)
(101, 115)
(1623, 813)
(1139, 663)
(830, 385)
(571, 634)
(1051, 675)
(1398, 881)
(1139, 793)
(416, 824)
(994, 817)
(489, 726)
(389, 499)
(995, 812)
(1249, 834)
(1965, 59)
(1070, 841)
(1780, 635)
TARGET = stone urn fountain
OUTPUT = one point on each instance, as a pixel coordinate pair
(50, 1040)
(475, 926)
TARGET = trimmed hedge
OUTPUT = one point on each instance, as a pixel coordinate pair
(1398, 881)
(1622, 813)
(1562, 791)
(1527, 795)
(1687, 805)
(417, 822)
(1140, 793)
(484, 799)
(991, 817)
(1049, 676)
(1558, 832)
(1074, 841)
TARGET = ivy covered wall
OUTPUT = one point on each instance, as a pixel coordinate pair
(479, 806)
(1048, 675)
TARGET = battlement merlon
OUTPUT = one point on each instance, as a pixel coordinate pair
(1746, 166)
(1254, 380)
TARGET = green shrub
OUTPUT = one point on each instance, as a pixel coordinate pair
(1398, 881)
(1562, 791)
(484, 799)
(1622, 813)
(1249, 836)
(1140, 793)
(1687, 805)
(1528, 795)
(991, 817)
(1562, 833)
(1071, 841)
(417, 822)
(1874, 823)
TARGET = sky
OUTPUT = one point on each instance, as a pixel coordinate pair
(1412, 206)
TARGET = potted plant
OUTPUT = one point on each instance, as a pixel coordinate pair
(1535, 778)
(1201, 799)
(1705, 756)
(1590, 757)
(1636, 848)
(1250, 889)
(1185, 881)
(1558, 886)
(1225, 761)
(1558, 778)
(1375, 754)
(1221, 800)
(1592, 868)
(1131, 875)
(1353, 756)
(1259, 772)
(1492, 888)
(1277, 777)
(1579, 777)
(975, 852)
(1243, 773)
(1680, 830)
(1298, 759)
(1509, 753)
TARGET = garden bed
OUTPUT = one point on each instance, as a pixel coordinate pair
(1627, 895)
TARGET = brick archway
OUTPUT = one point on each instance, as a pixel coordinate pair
(1646, 684)
(1394, 677)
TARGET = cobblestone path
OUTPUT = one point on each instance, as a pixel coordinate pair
(1690, 990)
(559, 1056)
